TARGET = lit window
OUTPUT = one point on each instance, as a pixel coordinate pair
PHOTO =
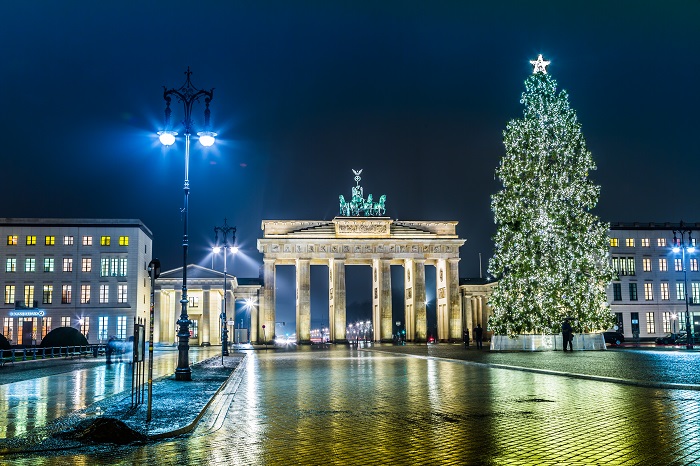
(633, 291)
(46, 326)
(12, 240)
(630, 266)
(29, 295)
(67, 264)
(123, 241)
(49, 240)
(102, 325)
(614, 242)
(31, 240)
(122, 267)
(8, 328)
(680, 291)
(86, 264)
(678, 264)
(11, 265)
(121, 327)
(648, 291)
(661, 242)
(645, 242)
(646, 264)
(48, 294)
(84, 294)
(48, 264)
(85, 326)
(66, 298)
(693, 265)
(9, 294)
(667, 321)
(663, 265)
(617, 291)
(87, 240)
(65, 321)
(30, 264)
(194, 301)
(695, 291)
(651, 328)
(121, 293)
(68, 241)
(105, 240)
(104, 294)
(629, 242)
(664, 291)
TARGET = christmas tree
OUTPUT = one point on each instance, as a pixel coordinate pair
(551, 252)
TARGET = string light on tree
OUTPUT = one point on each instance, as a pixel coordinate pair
(551, 252)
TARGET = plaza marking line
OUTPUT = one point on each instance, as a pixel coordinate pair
(597, 378)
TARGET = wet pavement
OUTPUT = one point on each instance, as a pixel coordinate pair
(437, 404)
(34, 393)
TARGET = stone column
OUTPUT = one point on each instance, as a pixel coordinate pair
(337, 300)
(468, 315)
(205, 327)
(157, 316)
(385, 301)
(268, 310)
(441, 294)
(453, 308)
(409, 307)
(421, 316)
(303, 313)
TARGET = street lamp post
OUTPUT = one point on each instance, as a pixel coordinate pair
(187, 94)
(679, 245)
(224, 230)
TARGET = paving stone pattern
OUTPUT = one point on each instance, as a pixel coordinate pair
(378, 406)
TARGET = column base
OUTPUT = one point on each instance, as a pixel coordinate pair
(206, 343)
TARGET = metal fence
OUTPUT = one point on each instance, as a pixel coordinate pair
(36, 353)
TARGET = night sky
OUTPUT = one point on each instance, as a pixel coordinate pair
(415, 93)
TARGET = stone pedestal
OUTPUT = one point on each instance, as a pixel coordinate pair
(585, 341)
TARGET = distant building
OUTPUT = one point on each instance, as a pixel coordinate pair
(90, 274)
(205, 295)
(648, 296)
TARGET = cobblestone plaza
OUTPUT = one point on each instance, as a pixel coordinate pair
(432, 404)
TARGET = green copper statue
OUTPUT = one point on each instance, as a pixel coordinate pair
(358, 205)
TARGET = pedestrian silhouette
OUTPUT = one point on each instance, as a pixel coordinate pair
(478, 333)
(567, 335)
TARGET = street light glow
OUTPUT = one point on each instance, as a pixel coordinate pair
(216, 249)
(207, 138)
(167, 138)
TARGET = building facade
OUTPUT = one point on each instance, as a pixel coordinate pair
(648, 296)
(205, 294)
(90, 274)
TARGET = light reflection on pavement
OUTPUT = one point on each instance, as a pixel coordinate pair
(343, 406)
(27, 404)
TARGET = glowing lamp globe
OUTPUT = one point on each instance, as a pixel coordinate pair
(234, 249)
(207, 138)
(676, 249)
(691, 248)
(167, 138)
(217, 249)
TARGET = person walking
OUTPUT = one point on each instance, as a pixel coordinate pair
(466, 337)
(478, 333)
(567, 335)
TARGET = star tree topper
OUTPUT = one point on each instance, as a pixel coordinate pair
(540, 65)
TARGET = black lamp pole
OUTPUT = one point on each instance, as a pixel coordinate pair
(680, 244)
(187, 94)
(224, 230)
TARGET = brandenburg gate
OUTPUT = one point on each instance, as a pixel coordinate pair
(361, 235)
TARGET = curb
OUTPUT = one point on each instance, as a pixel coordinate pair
(190, 427)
